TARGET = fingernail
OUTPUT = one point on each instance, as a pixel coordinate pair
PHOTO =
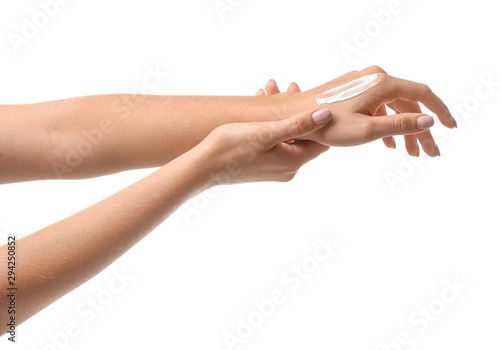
(439, 153)
(455, 121)
(322, 115)
(294, 83)
(425, 122)
(271, 81)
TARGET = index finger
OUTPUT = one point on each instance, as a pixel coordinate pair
(392, 88)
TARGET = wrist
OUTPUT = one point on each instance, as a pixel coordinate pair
(212, 163)
(290, 103)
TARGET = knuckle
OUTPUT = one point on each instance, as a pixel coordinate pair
(385, 80)
(384, 77)
(426, 89)
(400, 124)
(390, 88)
(375, 69)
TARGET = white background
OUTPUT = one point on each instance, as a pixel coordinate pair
(197, 274)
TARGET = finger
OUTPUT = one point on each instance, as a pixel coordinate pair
(425, 138)
(399, 124)
(391, 106)
(392, 89)
(388, 141)
(428, 144)
(272, 87)
(402, 106)
(293, 87)
(261, 92)
(381, 110)
(298, 125)
(411, 144)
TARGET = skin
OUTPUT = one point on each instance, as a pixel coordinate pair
(37, 140)
(399, 106)
(61, 257)
(199, 142)
(363, 118)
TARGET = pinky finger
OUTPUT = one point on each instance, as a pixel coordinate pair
(261, 92)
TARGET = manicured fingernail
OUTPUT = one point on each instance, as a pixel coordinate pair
(455, 121)
(322, 115)
(294, 83)
(425, 122)
(271, 81)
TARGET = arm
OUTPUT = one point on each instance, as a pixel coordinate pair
(59, 258)
(97, 135)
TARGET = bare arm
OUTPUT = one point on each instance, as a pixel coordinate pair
(59, 258)
(97, 135)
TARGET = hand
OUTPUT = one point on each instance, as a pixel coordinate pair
(247, 152)
(271, 88)
(363, 118)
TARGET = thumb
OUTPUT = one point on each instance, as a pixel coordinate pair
(400, 124)
(300, 124)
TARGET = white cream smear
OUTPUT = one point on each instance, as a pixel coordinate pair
(348, 90)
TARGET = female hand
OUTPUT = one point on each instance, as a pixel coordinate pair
(363, 118)
(258, 151)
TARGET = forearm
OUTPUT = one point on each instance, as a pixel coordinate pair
(57, 259)
(97, 135)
